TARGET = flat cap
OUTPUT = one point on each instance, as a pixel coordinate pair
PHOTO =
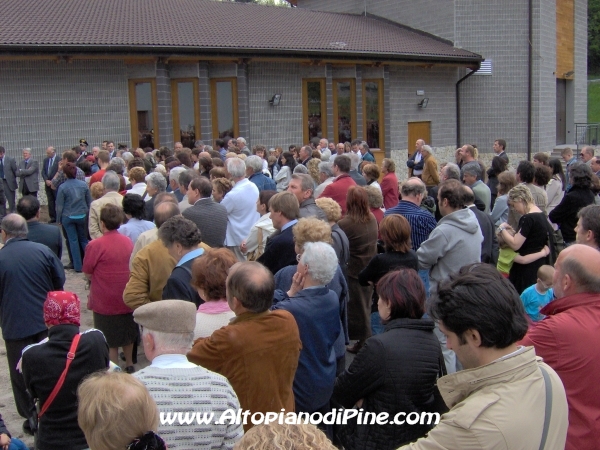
(167, 316)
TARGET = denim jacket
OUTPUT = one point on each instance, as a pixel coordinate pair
(73, 198)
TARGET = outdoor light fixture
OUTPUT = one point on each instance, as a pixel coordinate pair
(275, 100)
(423, 103)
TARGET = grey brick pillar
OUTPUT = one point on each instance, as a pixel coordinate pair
(164, 105)
(360, 132)
(205, 104)
(244, 104)
(387, 111)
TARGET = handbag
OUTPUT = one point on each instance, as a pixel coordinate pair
(255, 254)
(41, 410)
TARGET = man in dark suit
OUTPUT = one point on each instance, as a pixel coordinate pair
(28, 174)
(8, 174)
(49, 169)
(209, 216)
(49, 235)
(280, 249)
(499, 149)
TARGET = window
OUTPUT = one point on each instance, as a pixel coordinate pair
(314, 109)
(143, 113)
(344, 107)
(373, 113)
(224, 107)
(186, 111)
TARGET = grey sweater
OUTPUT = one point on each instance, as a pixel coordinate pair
(193, 390)
(455, 242)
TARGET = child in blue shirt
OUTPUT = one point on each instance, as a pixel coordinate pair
(540, 294)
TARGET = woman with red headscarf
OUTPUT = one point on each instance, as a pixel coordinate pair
(43, 365)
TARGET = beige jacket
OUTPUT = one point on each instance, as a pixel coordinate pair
(109, 198)
(499, 406)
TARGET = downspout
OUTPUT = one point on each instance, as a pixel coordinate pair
(458, 144)
(530, 82)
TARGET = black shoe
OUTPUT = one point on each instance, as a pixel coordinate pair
(129, 369)
(27, 428)
(68, 267)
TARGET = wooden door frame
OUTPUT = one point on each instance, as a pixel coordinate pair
(214, 110)
(175, 106)
(133, 110)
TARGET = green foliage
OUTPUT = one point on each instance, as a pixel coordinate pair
(593, 36)
(594, 101)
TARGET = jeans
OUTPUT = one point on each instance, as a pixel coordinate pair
(76, 234)
(376, 325)
(16, 444)
(424, 274)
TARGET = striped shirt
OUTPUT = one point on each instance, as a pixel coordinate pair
(421, 222)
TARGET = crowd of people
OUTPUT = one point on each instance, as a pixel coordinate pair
(249, 276)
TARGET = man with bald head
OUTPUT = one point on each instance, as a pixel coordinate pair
(568, 340)
(258, 351)
(415, 163)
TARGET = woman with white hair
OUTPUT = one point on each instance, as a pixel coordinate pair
(155, 184)
(316, 310)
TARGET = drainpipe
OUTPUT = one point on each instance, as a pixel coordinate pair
(458, 143)
(530, 82)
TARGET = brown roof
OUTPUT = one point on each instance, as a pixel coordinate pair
(204, 26)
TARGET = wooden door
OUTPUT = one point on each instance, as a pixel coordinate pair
(418, 130)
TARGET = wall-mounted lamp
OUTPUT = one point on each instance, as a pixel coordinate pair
(423, 103)
(569, 74)
(275, 100)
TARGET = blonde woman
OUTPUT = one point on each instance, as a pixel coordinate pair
(273, 435)
(371, 173)
(532, 235)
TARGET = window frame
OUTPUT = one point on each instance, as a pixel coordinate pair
(305, 82)
(352, 82)
(133, 116)
(213, 106)
(175, 107)
(379, 82)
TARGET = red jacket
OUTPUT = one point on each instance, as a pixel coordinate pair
(389, 189)
(338, 190)
(569, 341)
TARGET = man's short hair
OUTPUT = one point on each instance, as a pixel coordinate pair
(470, 150)
(112, 216)
(452, 171)
(117, 165)
(236, 167)
(253, 285)
(137, 174)
(163, 211)
(588, 150)
(14, 225)
(220, 143)
(186, 176)
(526, 171)
(354, 161)
(584, 280)
(479, 298)
(590, 221)
(103, 156)
(28, 207)
(286, 203)
(69, 156)
(111, 181)
(325, 167)
(343, 163)
(306, 181)
(254, 162)
(134, 205)
(413, 189)
(473, 169)
(157, 180)
(180, 230)
(452, 190)
(176, 172)
(501, 143)
(202, 185)
(566, 151)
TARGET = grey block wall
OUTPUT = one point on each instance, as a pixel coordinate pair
(275, 125)
(544, 78)
(46, 103)
(438, 84)
(164, 104)
(494, 106)
(580, 79)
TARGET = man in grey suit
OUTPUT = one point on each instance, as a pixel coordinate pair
(28, 174)
(8, 173)
(209, 216)
(49, 169)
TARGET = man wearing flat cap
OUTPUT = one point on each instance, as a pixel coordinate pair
(178, 385)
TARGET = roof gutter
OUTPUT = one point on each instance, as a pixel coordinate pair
(458, 83)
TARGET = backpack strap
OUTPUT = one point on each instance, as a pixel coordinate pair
(63, 375)
(548, 411)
